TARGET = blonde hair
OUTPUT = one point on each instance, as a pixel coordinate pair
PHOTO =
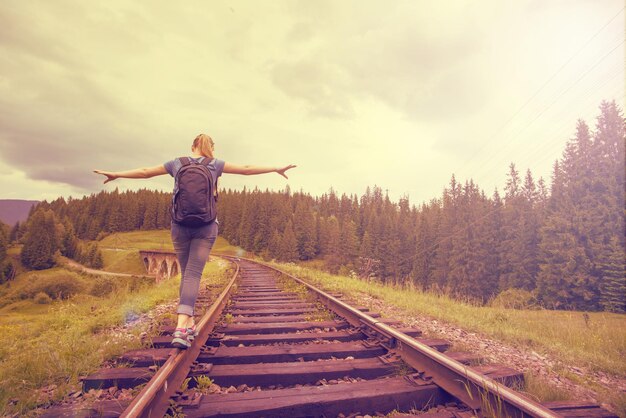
(204, 144)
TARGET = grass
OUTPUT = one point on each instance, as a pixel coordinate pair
(203, 383)
(69, 333)
(158, 239)
(14, 250)
(594, 340)
(536, 385)
(122, 261)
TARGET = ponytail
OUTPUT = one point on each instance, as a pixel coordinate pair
(204, 144)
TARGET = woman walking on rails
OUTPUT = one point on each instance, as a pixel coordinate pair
(194, 218)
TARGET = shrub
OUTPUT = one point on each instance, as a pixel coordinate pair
(57, 285)
(8, 272)
(102, 286)
(102, 235)
(344, 270)
(42, 298)
(137, 283)
(515, 299)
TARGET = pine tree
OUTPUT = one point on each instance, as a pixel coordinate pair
(613, 288)
(41, 242)
(97, 261)
(389, 247)
(4, 243)
(511, 273)
(448, 226)
(566, 278)
(304, 226)
(366, 248)
(528, 258)
(348, 243)
(69, 242)
(246, 230)
(318, 234)
(468, 255)
(15, 232)
(491, 226)
(332, 245)
(275, 244)
(115, 218)
(162, 212)
(607, 229)
(425, 247)
(563, 279)
(150, 215)
(289, 245)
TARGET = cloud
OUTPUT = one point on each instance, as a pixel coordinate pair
(322, 85)
(62, 123)
(398, 57)
(21, 35)
(65, 103)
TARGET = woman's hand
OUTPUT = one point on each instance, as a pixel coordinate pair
(281, 171)
(110, 176)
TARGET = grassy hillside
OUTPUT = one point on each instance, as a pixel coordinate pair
(14, 210)
(57, 325)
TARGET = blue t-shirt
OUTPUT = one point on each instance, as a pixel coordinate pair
(216, 167)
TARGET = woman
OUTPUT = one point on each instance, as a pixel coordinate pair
(192, 244)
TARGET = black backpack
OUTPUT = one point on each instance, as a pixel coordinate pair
(194, 202)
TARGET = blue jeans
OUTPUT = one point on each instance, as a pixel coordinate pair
(192, 246)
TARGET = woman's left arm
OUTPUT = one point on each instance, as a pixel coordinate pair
(247, 170)
(138, 173)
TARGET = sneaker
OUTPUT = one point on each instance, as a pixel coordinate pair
(192, 333)
(181, 339)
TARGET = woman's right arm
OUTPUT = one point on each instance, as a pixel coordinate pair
(138, 173)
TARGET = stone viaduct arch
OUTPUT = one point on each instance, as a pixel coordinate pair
(163, 264)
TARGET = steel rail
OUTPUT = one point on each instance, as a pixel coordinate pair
(153, 400)
(477, 391)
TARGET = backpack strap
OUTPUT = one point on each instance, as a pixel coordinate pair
(185, 160)
(207, 162)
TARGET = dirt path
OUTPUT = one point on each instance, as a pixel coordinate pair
(77, 266)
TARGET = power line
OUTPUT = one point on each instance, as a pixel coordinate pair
(561, 95)
(587, 94)
(566, 126)
(493, 136)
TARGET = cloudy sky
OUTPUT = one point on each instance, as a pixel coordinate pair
(400, 94)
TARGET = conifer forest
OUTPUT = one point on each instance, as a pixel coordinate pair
(562, 240)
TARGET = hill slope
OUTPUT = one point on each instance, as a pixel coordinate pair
(14, 210)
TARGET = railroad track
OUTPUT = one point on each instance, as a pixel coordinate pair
(265, 349)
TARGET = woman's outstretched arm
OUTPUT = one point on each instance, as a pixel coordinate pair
(247, 170)
(138, 173)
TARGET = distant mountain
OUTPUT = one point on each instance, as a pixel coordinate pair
(13, 210)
